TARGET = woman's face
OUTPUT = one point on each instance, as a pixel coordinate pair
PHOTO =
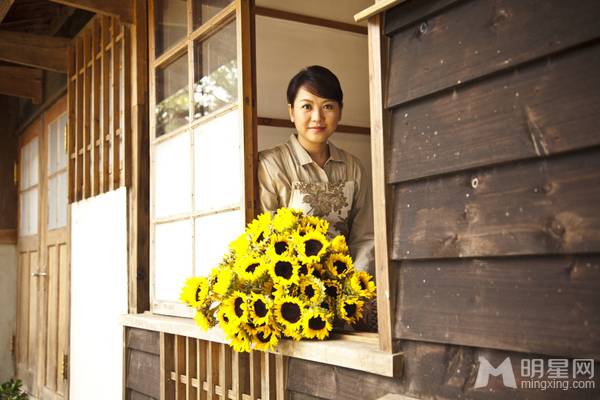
(315, 117)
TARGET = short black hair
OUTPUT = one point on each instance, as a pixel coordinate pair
(319, 81)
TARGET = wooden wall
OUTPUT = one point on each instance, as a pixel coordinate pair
(8, 155)
(494, 169)
(143, 365)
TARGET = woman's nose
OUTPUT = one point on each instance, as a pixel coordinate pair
(316, 114)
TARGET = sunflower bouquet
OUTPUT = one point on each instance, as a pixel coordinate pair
(282, 278)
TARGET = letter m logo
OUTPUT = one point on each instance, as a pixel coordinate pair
(485, 370)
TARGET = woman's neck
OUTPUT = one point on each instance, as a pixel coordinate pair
(319, 152)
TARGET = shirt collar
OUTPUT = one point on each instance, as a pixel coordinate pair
(304, 158)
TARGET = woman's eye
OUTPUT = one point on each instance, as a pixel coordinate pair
(328, 107)
(306, 106)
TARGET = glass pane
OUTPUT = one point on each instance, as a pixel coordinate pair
(206, 9)
(213, 235)
(217, 167)
(172, 96)
(32, 204)
(24, 167)
(172, 180)
(62, 152)
(170, 18)
(215, 71)
(23, 214)
(34, 162)
(61, 212)
(52, 145)
(52, 199)
(172, 258)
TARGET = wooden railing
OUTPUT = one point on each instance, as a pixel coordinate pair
(199, 369)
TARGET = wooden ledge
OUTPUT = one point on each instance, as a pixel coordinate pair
(361, 354)
(379, 7)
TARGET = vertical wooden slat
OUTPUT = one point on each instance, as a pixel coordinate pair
(71, 97)
(167, 364)
(116, 112)
(235, 375)
(87, 81)
(190, 367)
(281, 376)
(79, 123)
(126, 132)
(378, 155)
(212, 351)
(105, 101)
(255, 374)
(246, 60)
(202, 367)
(267, 383)
(179, 366)
(96, 66)
(225, 370)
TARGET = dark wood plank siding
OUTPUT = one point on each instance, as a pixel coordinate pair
(8, 157)
(432, 371)
(143, 365)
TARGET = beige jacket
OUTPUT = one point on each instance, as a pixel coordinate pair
(338, 192)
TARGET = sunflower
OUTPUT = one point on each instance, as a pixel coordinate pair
(288, 312)
(338, 245)
(260, 309)
(316, 323)
(203, 320)
(241, 341)
(285, 219)
(318, 271)
(195, 291)
(265, 338)
(284, 270)
(249, 268)
(311, 247)
(310, 223)
(280, 244)
(362, 284)
(237, 308)
(222, 279)
(332, 288)
(349, 309)
(312, 289)
(305, 270)
(226, 322)
(259, 228)
(240, 245)
(339, 265)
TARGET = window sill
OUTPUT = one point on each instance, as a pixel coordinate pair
(359, 352)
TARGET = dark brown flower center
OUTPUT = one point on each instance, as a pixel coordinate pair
(225, 318)
(363, 284)
(291, 312)
(238, 307)
(325, 305)
(316, 273)
(260, 308)
(309, 291)
(303, 269)
(198, 290)
(264, 339)
(350, 309)
(260, 237)
(281, 247)
(284, 269)
(331, 291)
(316, 323)
(312, 247)
(250, 268)
(340, 267)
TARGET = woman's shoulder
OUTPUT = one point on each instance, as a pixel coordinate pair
(274, 155)
(352, 162)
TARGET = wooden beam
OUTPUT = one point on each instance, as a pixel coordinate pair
(284, 123)
(4, 7)
(21, 82)
(377, 8)
(305, 19)
(116, 8)
(45, 52)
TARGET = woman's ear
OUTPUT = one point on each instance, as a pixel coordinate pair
(291, 112)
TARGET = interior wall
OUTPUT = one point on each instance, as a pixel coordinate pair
(283, 48)
(98, 296)
(8, 310)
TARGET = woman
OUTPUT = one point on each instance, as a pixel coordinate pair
(309, 173)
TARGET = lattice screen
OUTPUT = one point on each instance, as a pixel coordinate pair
(99, 93)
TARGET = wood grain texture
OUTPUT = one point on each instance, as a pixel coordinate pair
(436, 371)
(38, 51)
(143, 373)
(543, 305)
(143, 340)
(412, 12)
(116, 8)
(548, 107)
(21, 82)
(547, 206)
(8, 159)
(133, 395)
(444, 51)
